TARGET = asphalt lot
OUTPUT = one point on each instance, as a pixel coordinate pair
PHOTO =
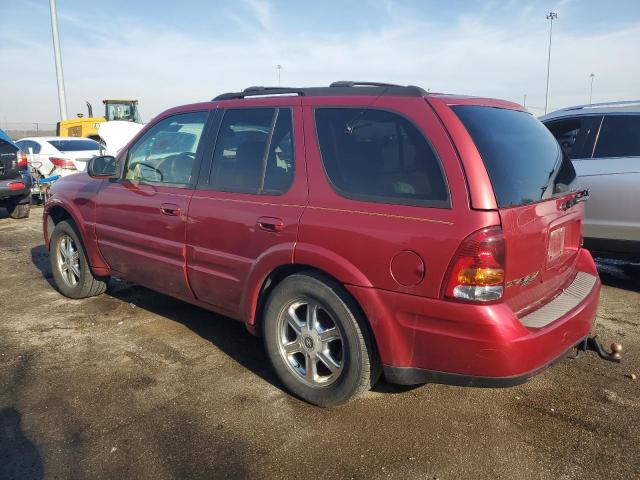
(134, 384)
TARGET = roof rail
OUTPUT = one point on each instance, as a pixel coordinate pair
(335, 89)
(348, 83)
(257, 91)
(622, 103)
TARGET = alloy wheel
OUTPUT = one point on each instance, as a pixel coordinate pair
(310, 342)
(69, 261)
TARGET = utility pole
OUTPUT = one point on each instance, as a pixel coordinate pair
(591, 76)
(524, 103)
(279, 68)
(56, 53)
(551, 16)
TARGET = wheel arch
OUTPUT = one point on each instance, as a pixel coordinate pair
(52, 216)
(275, 277)
(286, 259)
(56, 212)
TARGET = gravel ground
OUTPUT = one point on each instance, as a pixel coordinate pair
(134, 384)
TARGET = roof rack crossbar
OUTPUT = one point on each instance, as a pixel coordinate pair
(258, 91)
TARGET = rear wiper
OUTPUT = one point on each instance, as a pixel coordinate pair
(579, 196)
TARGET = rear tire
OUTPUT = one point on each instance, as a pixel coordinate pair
(71, 271)
(19, 210)
(326, 358)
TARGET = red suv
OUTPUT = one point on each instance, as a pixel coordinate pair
(360, 228)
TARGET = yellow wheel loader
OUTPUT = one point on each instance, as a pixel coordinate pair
(123, 110)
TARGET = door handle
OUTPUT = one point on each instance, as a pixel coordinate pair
(270, 224)
(170, 209)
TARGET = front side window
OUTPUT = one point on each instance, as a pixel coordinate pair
(167, 152)
(619, 137)
(575, 135)
(254, 152)
(379, 156)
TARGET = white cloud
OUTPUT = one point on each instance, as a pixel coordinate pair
(474, 55)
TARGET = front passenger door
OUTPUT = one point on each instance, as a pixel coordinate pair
(141, 217)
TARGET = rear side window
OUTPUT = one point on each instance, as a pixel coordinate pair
(619, 137)
(74, 145)
(254, 152)
(575, 135)
(523, 159)
(380, 156)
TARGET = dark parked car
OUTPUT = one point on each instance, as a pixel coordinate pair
(15, 179)
(360, 229)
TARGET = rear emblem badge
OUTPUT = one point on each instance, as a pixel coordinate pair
(523, 281)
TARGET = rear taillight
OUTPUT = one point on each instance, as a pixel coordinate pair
(16, 186)
(476, 272)
(62, 163)
(22, 159)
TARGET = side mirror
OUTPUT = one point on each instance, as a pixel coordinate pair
(103, 166)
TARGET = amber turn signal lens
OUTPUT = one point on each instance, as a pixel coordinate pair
(481, 276)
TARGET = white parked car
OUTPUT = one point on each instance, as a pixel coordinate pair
(59, 155)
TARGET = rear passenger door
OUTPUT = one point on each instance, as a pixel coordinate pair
(612, 175)
(384, 179)
(243, 218)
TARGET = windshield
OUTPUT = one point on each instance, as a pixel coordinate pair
(523, 159)
(75, 145)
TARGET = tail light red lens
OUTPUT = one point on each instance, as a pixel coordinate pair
(476, 272)
(16, 186)
(62, 163)
(23, 162)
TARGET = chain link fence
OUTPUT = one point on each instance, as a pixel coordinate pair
(17, 130)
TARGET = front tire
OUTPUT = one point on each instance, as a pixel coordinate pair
(71, 271)
(318, 341)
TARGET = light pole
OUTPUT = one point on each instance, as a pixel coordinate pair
(279, 68)
(56, 53)
(551, 16)
(591, 76)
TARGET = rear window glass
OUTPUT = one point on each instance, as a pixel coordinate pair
(7, 148)
(74, 145)
(379, 156)
(523, 159)
(7, 158)
(619, 137)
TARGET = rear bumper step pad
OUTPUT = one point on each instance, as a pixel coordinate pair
(569, 299)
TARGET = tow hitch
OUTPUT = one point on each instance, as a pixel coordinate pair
(592, 343)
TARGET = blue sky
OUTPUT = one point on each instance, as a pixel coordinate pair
(187, 51)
